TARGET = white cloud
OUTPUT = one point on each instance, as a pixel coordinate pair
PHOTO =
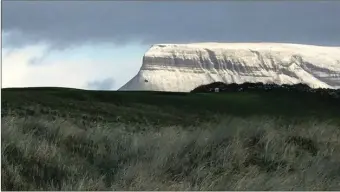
(15, 64)
(19, 69)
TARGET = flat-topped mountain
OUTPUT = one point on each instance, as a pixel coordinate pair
(183, 67)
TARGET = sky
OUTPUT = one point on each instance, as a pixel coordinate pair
(100, 44)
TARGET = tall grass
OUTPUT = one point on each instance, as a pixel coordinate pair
(258, 153)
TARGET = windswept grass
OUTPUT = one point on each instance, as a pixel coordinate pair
(233, 154)
(67, 139)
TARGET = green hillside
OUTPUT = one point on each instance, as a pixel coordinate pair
(71, 139)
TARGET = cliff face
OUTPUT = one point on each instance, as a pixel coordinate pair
(183, 67)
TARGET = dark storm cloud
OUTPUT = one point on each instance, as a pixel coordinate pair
(106, 84)
(69, 23)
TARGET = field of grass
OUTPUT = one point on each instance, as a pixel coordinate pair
(68, 139)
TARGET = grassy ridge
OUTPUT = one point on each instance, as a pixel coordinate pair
(68, 139)
(152, 105)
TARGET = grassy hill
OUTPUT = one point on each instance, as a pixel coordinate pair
(70, 139)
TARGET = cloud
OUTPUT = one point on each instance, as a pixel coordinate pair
(62, 69)
(70, 23)
(14, 64)
(105, 84)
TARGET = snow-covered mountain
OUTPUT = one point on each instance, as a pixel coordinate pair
(182, 67)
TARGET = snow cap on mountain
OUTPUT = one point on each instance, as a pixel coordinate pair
(182, 67)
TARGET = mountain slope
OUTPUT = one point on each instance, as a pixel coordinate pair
(182, 67)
